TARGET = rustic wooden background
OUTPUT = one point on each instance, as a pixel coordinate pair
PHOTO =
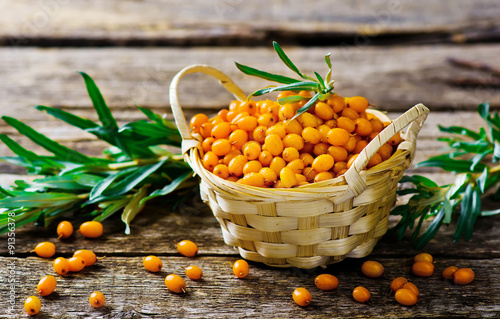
(396, 53)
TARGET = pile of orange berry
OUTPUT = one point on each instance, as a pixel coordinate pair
(259, 143)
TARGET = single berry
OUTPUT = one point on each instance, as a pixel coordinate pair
(45, 249)
(76, 264)
(361, 294)
(372, 269)
(463, 276)
(97, 299)
(91, 229)
(406, 297)
(152, 263)
(46, 285)
(423, 257)
(194, 272)
(423, 269)
(302, 296)
(398, 283)
(88, 256)
(61, 266)
(187, 248)
(175, 283)
(64, 229)
(326, 282)
(32, 305)
(448, 272)
(241, 268)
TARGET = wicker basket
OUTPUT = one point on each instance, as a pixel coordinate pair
(312, 225)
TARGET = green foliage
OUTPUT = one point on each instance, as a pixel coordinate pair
(136, 170)
(472, 155)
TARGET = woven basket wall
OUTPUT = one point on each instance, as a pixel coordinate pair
(311, 225)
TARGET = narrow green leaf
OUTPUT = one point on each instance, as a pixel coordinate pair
(487, 213)
(97, 191)
(478, 158)
(482, 179)
(104, 113)
(67, 117)
(306, 106)
(287, 60)
(65, 182)
(475, 212)
(329, 64)
(38, 200)
(133, 208)
(321, 82)
(459, 130)
(265, 75)
(110, 208)
(60, 151)
(465, 212)
(169, 188)
(298, 86)
(292, 99)
(89, 180)
(431, 231)
(452, 165)
(484, 110)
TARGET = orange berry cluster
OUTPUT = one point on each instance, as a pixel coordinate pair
(81, 258)
(405, 292)
(258, 143)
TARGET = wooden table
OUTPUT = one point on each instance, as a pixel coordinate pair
(396, 54)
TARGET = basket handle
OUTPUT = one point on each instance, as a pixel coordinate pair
(188, 141)
(416, 116)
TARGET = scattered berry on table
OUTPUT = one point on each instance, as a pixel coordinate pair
(187, 248)
(45, 249)
(406, 297)
(61, 266)
(423, 269)
(194, 272)
(361, 294)
(97, 299)
(448, 272)
(88, 256)
(175, 283)
(32, 305)
(423, 257)
(91, 229)
(76, 264)
(463, 276)
(152, 263)
(241, 268)
(64, 229)
(372, 269)
(326, 282)
(46, 285)
(302, 296)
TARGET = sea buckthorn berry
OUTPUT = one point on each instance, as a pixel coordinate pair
(277, 164)
(293, 140)
(232, 178)
(331, 123)
(346, 123)
(307, 119)
(463, 276)
(206, 129)
(290, 153)
(287, 177)
(338, 153)
(351, 160)
(372, 269)
(247, 123)
(238, 138)
(323, 111)
(309, 173)
(265, 158)
(337, 136)
(270, 177)
(61, 266)
(351, 144)
(221, 130)
(222, 114)
(300, 179)
(326, 282)
(194, 272)
(46, 285)
(197, 121)
(363, 127)
(286, 112)
(423, 257)
(241, 268)
(252, 179)
(385, 151)
(358, 103)
(277, 129)
(377, 125)
(45, 249)
(360, 145)
(323, 176)
(374, 160)
(323, 163)
(361, 294)
(152, 263)
(228, 157)
(320, 148)
(187, 248)
(412, 287)
(337, 102)
(266, 120)
(97, 299)
(342, 172)
(91, 229)
(259, 134)
(88, 256)
(423, 269)
(308, 148)
(311, 135)
(395, 140)
(64, 229)
(323, 130)
(406, 297)
(248, 106)
(297, 166)
(274, 144)
(221, 147)
(76, 264)
(236, 165)
(448, 272)
(251, 150)
(32, 305)
(221, 170)
(302, 296)
(231, 115)
(292, 127)
(252, 167)
(206, 144)
(350, 113)
(306, 158)
(397, 283)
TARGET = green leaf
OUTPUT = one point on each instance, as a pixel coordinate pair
(459, 130)
(452, 165)
(321, 82)
(104, 113)
(133, 208)
(478, 158)
(292, 99)
(60, 151)
(329, 63)
(306, 106)
(97, 191)
(487, 213)
(476, 211)
(265, 75)
(484, 110)
(287, 60)
(67, 117)
(298, 86)
(110, 208)
(482, 179)
(38, 200)
(65, 182)
(431, 231)
(169, 188)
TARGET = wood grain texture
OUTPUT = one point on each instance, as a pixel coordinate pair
(234, 22)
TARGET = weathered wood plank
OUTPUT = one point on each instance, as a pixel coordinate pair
(266, 293)
(227, 22)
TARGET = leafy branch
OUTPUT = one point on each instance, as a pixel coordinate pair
(323, 87)
(473, 157)
(136, 168)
